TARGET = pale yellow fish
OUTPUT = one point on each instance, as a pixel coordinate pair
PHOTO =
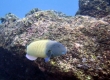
(45, 49)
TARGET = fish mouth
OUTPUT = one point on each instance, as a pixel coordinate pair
(63, 52)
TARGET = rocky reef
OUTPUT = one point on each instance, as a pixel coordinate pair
(87, 39)
(94, 8)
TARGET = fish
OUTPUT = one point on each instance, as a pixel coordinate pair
(45, 49)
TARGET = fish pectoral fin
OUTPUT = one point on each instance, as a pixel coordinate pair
(49, 53)
(47, 59)
(31, 57)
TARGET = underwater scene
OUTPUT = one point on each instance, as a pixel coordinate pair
(55, 40)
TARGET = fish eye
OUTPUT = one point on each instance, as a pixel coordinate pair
(58, 45)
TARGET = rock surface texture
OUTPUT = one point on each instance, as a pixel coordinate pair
(94, 8)
(86, 38)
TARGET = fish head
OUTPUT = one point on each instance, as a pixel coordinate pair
(58, 49)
